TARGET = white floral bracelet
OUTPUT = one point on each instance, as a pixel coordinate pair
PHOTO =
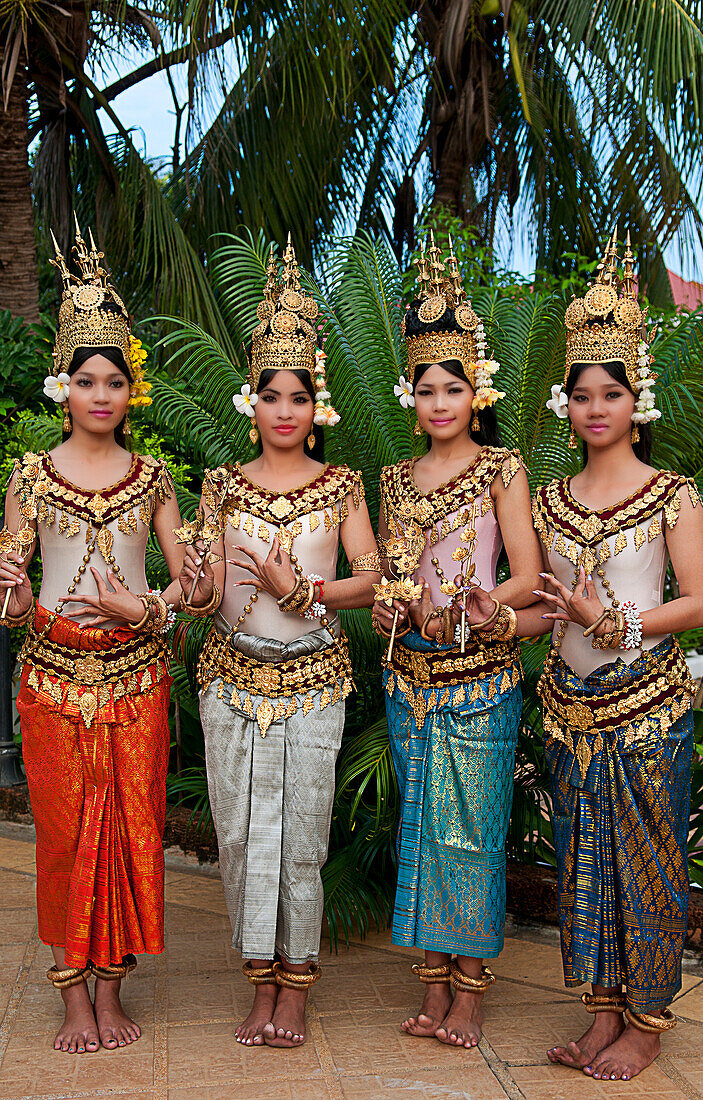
(317, 609)
(632, 638)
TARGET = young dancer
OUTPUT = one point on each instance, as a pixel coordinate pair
(275, 670)
(616, 689)
(453, 708)
(94, 693)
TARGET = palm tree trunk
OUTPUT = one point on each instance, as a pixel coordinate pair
(19, 279)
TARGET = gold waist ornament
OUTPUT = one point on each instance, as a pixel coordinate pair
(91, 679)
(327, 672)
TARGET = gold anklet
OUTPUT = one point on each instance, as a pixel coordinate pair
(114, 973)
(297, 981)
(464, 984)
(644, 1021)
(262, 975)
(431, 974)
(72, 975)
(606, 1002)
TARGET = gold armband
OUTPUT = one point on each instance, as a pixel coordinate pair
(367, 562)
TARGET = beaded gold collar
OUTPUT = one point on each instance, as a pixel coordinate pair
(402, 498)
(45, 494)
(326, 492)
(555, 510)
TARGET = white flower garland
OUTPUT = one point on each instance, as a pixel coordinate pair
(486, 393)
(325, 416)
(645, 411)
(633, 626)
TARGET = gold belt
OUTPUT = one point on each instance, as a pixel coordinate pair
(121, 661)
(664, 688)
(304, 674)
(437, 667)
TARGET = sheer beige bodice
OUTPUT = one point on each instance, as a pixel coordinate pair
(627, 543)
(307, 521)
(109, 526)
(462, 503)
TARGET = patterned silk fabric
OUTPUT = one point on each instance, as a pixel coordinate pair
(99, 800)
(455, 774)
(271, 801)
(620, 834)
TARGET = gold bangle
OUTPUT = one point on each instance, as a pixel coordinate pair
(147, 612)
(464, 984)
(117, 972)
(431, 975)
(285, 600)
(479, 628)
(380, 630)
(434, 614)
(644, 1021)
(72, 975)
(12, 621)
(607, 614)
(508, 624)
(297, 981)
(262, 975)
(203, 611)
(605, 1002)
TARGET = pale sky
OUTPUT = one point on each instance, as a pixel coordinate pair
(148, 110)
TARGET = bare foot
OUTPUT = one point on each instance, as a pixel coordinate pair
(251, 1031)
(79, 1031)
(461, 1027)
(435, 1006)
(626, 1057)
(115, 1026)
(604, 1030)
(287, 1027)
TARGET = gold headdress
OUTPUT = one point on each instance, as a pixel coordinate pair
(442, 295)
(92, 315)
(285, 338)
(607, 326)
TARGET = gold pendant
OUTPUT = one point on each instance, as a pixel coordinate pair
(254, 434)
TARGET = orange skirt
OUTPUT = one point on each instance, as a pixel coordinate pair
(98, 791)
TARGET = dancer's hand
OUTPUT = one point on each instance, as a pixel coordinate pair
(385, 614)
(189, 571)
(273, 574)
(113, 603)
(480, 605)
(418, 610)
(13, 575)
(582, 606)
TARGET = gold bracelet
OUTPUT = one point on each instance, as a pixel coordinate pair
(480, 628)
(380, 630)
(606, 614)
(506, 624)
(145, 617)
(367, 562)
(205, 610)
(284, 601)
(434, 614)
(11, 621)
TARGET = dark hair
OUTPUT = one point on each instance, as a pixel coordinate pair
(318, 451)
(487, 434)
(81, 356)
(616, 370)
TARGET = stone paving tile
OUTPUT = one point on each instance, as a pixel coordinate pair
(475, 1082)
(189, 1000)
(560, 1083)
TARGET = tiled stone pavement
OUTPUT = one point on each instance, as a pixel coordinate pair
(188, 1000)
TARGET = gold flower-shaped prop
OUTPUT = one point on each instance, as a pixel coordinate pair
(18, 542)
(205, 530)
(404, 589)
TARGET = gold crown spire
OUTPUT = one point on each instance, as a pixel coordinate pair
(285, 338)
(423, 271)
(454, 274)
(436, 266)
(605, 325)
(84, 322)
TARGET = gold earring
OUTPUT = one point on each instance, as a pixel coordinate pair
(475, 426)
(253, 432)
(127, 428)
(635, 434)
(418, 429)
(572, 439)
(311, 439)
(67, 425)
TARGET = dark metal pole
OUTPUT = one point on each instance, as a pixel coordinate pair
(10, 770)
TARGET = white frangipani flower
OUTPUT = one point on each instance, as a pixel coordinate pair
(245, 400)
(57, 388)
(404, 392)
(559, 402)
